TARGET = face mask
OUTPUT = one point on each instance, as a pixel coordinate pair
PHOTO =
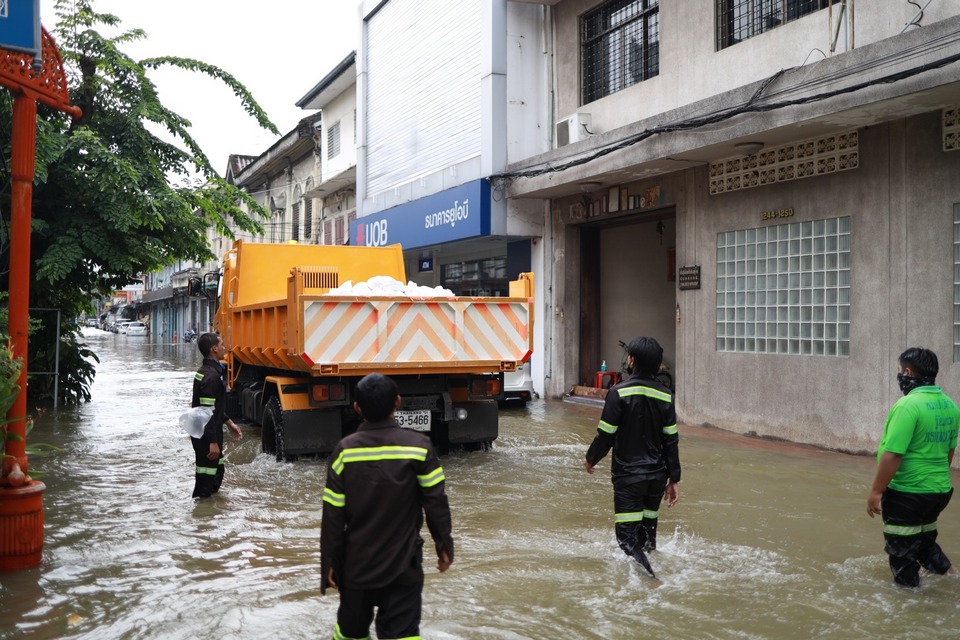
(909, 383)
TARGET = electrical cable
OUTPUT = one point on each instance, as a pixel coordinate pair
(750, 106)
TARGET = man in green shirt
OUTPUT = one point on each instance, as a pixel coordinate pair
(912, 484)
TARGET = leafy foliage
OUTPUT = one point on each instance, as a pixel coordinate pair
(111, 199)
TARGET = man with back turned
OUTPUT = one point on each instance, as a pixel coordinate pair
(912, 483)
(640, 424)
(380, 482)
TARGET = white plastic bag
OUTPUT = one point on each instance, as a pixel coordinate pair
(194, 420)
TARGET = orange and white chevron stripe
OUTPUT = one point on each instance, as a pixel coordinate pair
(377, 330)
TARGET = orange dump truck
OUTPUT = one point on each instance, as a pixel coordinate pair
(296, 353)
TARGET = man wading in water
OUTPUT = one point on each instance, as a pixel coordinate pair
(640, 424)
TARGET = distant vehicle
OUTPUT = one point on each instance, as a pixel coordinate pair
(190, 335)
(122, 327)
(136, 329)
(517, 384)
(93, 322)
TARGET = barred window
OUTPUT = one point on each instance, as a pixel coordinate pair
(620, 46)
(295, 233)
(785, 289)
(307, 217)
(738, 20)
(333, 140)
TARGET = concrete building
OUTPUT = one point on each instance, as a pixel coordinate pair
(770, 188)
(336, 97)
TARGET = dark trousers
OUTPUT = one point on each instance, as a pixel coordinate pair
(209, 473)
(398, 611)
(636, 510)
(910, 534)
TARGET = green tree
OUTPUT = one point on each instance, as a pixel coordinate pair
(111, 199)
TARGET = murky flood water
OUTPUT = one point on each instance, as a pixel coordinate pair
(769, 540)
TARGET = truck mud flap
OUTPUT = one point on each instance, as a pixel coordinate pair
(311, 432)
(480, 425)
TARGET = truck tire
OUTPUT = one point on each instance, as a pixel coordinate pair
(272, 431)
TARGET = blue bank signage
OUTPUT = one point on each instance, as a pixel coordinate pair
(20, 25)
(455, 214)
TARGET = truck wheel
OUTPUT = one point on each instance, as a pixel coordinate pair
(273, 430)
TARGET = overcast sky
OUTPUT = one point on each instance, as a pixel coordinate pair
(279, 49)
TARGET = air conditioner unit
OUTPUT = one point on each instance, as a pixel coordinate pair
(572, 129)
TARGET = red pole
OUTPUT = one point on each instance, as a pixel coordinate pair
(22, 161)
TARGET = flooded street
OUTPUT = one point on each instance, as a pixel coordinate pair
(769, 540)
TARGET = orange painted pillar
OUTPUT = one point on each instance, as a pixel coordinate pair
(22, 159)
(21, 500)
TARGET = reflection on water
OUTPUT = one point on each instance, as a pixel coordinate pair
(769, 540)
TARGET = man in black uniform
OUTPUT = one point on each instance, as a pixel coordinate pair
(640, 424)
(380, 482)
(209, 391)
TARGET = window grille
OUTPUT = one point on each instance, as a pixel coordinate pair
(333, 140)
(785, 289)
(307, 217)
(295, 233)
(620, 46)
(738, 20)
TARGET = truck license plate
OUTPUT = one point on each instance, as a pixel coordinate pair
(417, 420)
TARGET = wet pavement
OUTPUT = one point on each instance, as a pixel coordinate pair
(769, 540)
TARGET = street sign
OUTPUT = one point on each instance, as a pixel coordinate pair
(20, 25)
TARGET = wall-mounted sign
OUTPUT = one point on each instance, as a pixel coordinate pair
(426, 264)
(689, 277)
(455, 214)
(776, 213)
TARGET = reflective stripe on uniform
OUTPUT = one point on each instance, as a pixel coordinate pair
(633, 516)
(337, 635)
(670, 429)
(607, 427)
(372, 454)
(207, 471)
(207, 402)
(903, 530)
(644, 391)
(198, 376)
(636, 516)
(334, 499)
(431, 479)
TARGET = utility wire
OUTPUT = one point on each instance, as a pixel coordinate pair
(751, 106)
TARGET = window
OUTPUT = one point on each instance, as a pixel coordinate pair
(738, 20)
(620, 46)
(785, 289)
(295, 233)
(338, 225)
(307, 217)
(327, 233)
(333, 140)
(487, 277)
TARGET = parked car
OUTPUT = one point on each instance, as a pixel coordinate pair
(122, 326)
(518, 385)
(136, 329)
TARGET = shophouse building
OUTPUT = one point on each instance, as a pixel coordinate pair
(335, 97)
(770, 188)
